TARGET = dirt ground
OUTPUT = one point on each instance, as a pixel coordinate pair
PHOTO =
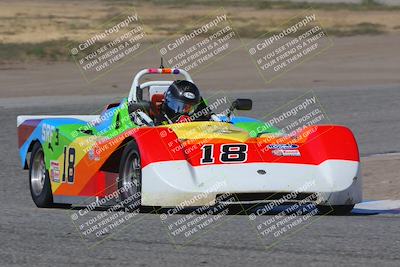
(38, 21)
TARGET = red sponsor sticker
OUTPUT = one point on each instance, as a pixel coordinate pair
(55, 171)
(286, 152)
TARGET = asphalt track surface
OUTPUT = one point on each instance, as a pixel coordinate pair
(48, 237)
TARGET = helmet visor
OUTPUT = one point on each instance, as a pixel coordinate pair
(178, 106)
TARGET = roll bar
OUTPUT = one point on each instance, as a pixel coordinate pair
(136, 92)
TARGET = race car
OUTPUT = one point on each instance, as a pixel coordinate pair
(122, 156)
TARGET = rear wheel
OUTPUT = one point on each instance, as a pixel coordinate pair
(130, 177)
(39, 180)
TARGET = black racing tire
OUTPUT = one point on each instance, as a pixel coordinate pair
(130, 178)
(339, 210)
(39, 180)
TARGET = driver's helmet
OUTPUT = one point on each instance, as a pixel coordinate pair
(181, 98)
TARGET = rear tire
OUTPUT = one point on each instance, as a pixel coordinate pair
(39, 181)
(130, 177)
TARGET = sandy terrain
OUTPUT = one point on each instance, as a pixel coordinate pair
(27, 21)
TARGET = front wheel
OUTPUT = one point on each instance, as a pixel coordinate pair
(130, 177)
(336, 209)
(39, 181)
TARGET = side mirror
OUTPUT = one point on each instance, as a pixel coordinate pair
(242, 104)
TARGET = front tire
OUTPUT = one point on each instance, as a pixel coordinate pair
(130, 177)
(39, 181)
(339, 210)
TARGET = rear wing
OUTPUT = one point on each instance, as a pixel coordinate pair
(22, 118)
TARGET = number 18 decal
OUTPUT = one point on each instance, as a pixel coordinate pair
(69, 165)
(230, 153)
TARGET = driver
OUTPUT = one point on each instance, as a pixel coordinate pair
(180, 101)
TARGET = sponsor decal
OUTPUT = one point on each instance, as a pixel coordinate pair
(226, 131)
(282, 146)
(47, 132)
(286, 152)
(189, 95)
(55, 171)
(94, 154)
